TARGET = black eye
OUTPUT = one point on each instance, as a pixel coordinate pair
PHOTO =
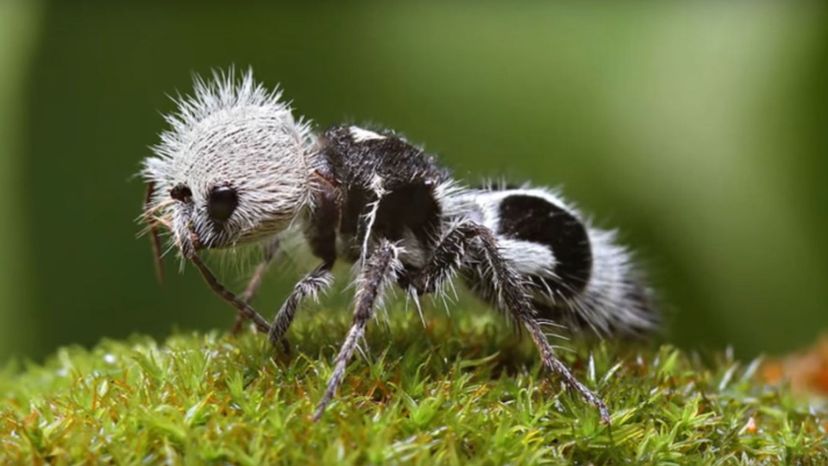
(181, 193)
(221, 203)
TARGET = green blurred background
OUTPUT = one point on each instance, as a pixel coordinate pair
(699, 129)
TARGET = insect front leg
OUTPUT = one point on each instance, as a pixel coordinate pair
(310, 285)
(378, 271)
(242, 308)
(268, 254)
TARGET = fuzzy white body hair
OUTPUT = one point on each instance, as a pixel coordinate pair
(231, 133)
(615, 298)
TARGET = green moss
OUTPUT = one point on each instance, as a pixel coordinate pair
(456, 392)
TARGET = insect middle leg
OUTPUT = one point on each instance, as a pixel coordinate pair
(377, 272)
(310, 285)
(510, 293)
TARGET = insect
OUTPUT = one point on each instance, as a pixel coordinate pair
(236, 167)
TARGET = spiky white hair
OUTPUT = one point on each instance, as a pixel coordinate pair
(231, 132)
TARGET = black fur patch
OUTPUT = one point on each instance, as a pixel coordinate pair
(321, 230)
(532, 218)
(408, 178)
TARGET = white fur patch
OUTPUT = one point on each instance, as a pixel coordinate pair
(412, 251)
(362, 135)
(527, 257)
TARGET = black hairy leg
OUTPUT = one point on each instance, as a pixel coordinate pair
(268, 254)
(309, 286)
(445, 260)
(510, 293)
(377, 272)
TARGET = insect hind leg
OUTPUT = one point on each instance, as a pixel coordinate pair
(512, 295)
(506, 290)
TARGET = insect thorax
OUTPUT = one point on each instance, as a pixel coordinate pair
(384, 184)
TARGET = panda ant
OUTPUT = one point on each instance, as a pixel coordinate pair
(236, 167)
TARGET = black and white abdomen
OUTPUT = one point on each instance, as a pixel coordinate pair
(578, 274)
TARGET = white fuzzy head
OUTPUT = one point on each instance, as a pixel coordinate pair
(234, 165)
